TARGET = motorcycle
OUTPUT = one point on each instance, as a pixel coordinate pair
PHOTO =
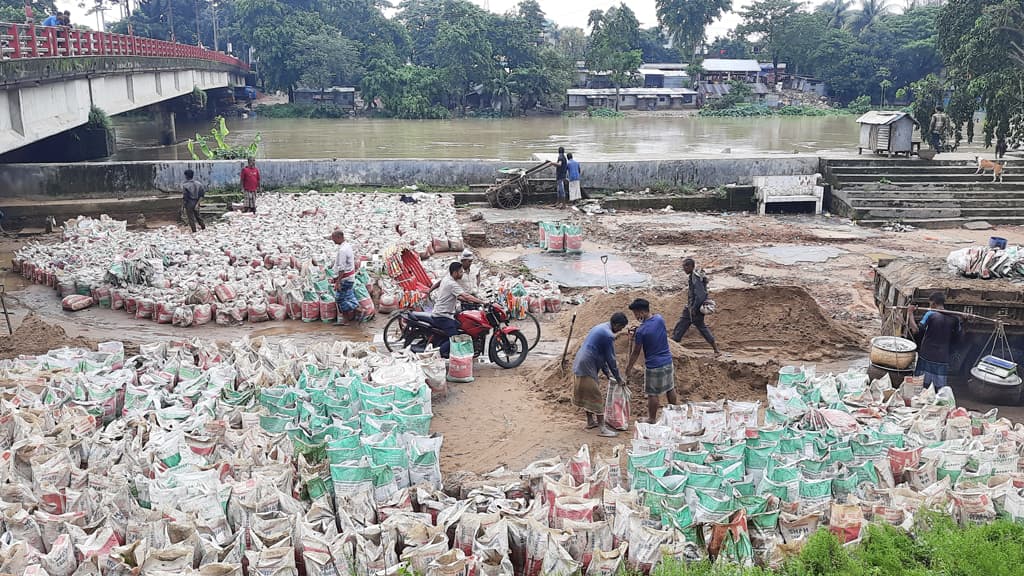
(507, 346)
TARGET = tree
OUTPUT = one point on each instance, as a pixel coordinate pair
(731, 46)
(800, 40)
(767, 19)
(870, 13)
(14, 10)
(836, 11)
(687, 20)
(328, 59)
(572, 42)
(884, 83)
(973, 36)
(615, 46)
(653, 46)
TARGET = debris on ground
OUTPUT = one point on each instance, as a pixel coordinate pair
(897, 226)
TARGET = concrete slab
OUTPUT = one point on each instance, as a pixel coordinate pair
(584, 270)
(794, 253)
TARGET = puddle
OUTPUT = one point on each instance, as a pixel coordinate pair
(792, 254)
(584, 270)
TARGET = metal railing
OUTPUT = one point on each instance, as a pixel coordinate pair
(28, 41)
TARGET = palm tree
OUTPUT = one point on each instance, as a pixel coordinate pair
(871, 11)
(837, 12)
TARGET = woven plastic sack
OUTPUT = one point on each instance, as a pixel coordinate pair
(76, 302)
(573, 235)
(460, 359)
(555, 237)
(616, 407)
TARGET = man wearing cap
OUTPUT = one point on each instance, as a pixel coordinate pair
(470, 280)
(345, 267)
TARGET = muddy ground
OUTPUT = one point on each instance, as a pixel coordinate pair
(776, 308)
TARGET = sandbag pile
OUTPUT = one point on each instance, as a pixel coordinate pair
(244, 267)
(189, 458)
(987, 262)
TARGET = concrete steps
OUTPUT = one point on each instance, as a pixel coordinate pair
(925, 194)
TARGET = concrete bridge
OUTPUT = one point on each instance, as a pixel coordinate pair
(50, 78)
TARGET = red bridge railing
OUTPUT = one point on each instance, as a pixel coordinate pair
(22, 41)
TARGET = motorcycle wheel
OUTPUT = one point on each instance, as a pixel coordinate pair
(394, 334)
(508, 350)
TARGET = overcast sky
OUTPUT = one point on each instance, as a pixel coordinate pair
(564, 12)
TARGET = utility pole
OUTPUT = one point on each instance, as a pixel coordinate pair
(170, 18)
(216, 40)
(195, 10)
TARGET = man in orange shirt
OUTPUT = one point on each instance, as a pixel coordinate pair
(250, 185)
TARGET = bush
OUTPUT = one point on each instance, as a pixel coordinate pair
(302, 111)
(859, 105)
(99, 119)
(604, 113)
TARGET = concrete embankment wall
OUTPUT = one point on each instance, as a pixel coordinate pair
(51, 182)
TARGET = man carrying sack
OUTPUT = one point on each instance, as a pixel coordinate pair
(597, 354)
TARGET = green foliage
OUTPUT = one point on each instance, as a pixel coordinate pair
(859, 105)
(928, 93)
(687, 20)
(615, 45)
(99, 119)
(746, 110)
(938, 548)
(222, 151)
(302, 111)
(980, 40)
(604, 113)
(768, 20)
(739, 93)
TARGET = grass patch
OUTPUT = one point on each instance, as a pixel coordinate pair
(938, 548)
(760, 110)
(302, 111)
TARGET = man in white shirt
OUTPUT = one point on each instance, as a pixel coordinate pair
(345, 268)
(449, 294)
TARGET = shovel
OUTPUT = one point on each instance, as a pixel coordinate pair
(607, 288)
(565, 352)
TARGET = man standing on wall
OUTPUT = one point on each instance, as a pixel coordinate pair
(561, 181)
(696, 296)
(250, 185)
(651, 338)
(192, 192)
(573, 167)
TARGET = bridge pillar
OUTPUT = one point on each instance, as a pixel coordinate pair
(165, 114)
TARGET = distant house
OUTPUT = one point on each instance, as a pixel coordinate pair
(664, 78)
(726, 69)
(344, 96)
(631, 98)
(807, 85)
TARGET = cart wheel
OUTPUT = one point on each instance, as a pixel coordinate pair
(510, 197)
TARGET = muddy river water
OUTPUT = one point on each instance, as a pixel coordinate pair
(507, 139)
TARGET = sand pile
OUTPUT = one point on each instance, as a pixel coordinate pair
(34, 336)
(783, 323)
(764, 326)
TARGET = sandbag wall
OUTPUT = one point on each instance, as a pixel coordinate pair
(257, 458)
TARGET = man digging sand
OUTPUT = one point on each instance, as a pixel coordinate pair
(651, 337)
(597, 354)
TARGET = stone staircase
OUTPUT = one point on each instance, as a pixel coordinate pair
(927, 194)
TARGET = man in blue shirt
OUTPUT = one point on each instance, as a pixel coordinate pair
(51, 20)
(651, 337)
(597, 354)
(573, 168)
(938, 332)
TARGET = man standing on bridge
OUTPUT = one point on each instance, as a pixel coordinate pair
(250, 185)
(192, 192)
(939, 332)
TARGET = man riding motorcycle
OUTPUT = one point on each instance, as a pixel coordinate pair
(449, 294)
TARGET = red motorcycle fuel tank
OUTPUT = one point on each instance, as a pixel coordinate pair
(474, 322)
